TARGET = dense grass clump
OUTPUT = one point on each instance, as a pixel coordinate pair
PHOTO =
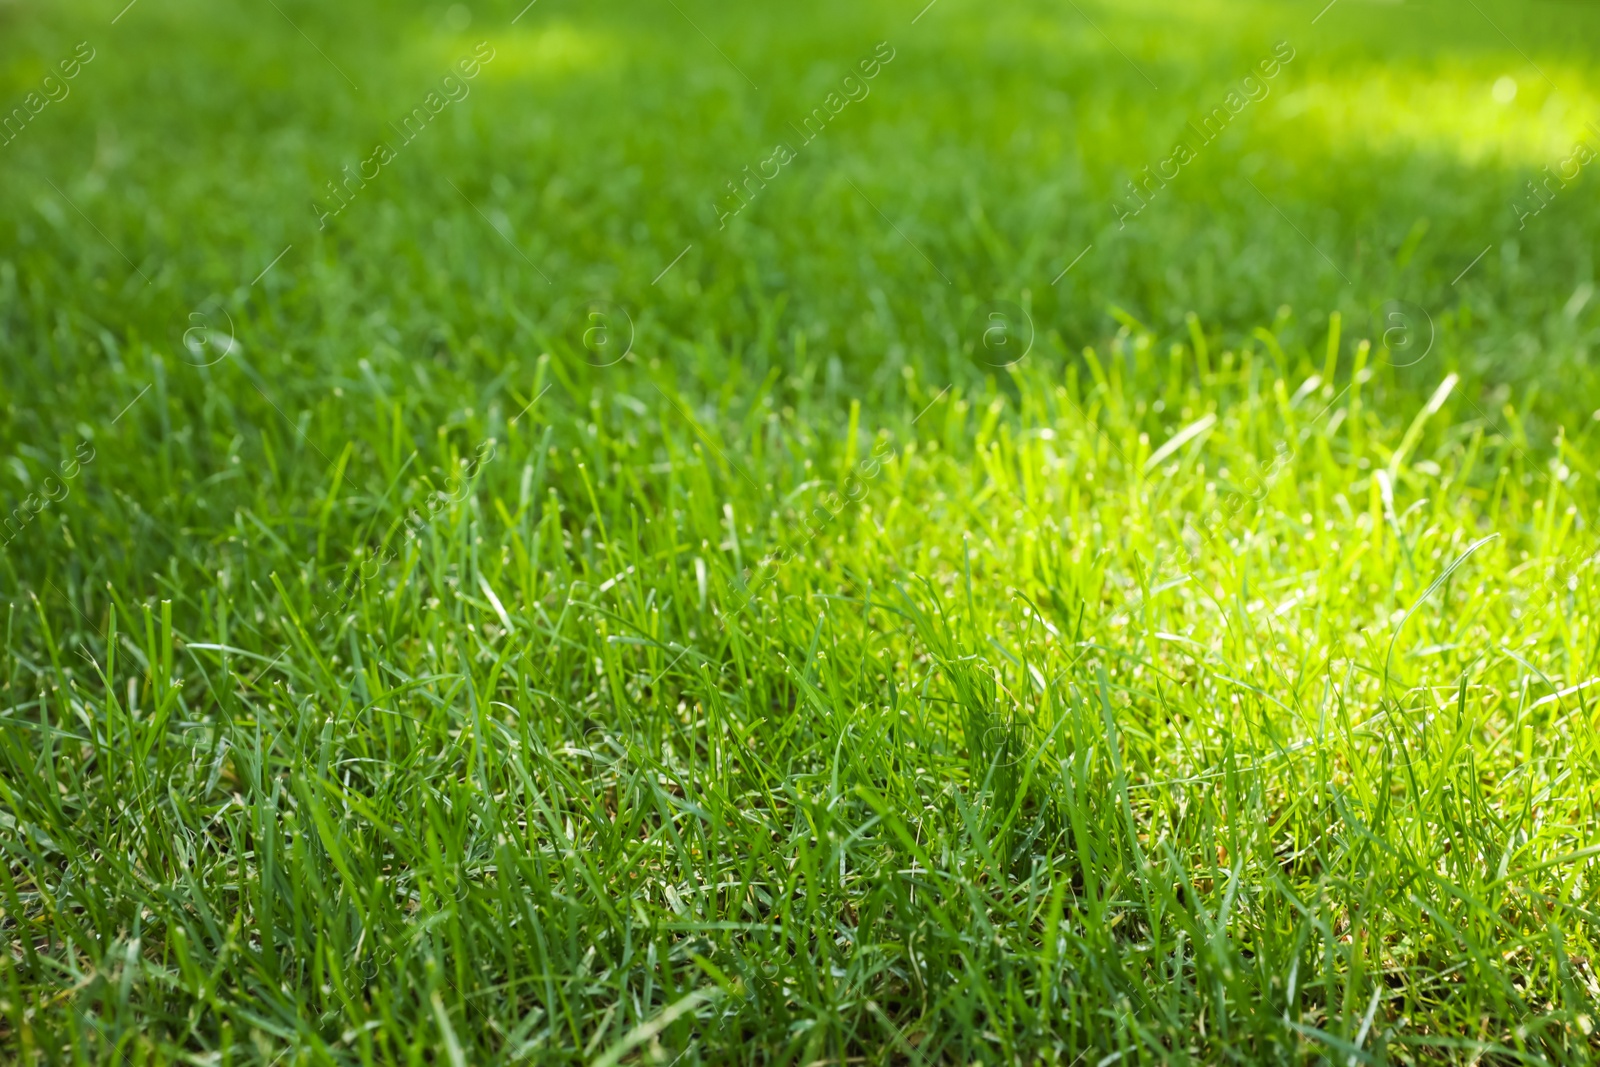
(493, 573)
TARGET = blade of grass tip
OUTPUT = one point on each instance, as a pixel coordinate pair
(452, 1044)
(1366, 1022)
(1354, 1054)
(651, 1027)
(1437, 582)
(1119, 776)
(332, 497)
(906, 1048)
(1179, 439)
(1414, 431)
(1570, 857)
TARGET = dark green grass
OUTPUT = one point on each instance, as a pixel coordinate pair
(399, 674)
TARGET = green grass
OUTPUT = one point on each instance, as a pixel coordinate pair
(395, 672)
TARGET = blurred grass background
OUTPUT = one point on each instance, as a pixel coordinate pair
(995, 140)
(984, 162)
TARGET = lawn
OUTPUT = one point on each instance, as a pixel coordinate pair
(868, 533)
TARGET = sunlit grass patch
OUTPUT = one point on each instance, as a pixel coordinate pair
(1475, 113)
(557, 49)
